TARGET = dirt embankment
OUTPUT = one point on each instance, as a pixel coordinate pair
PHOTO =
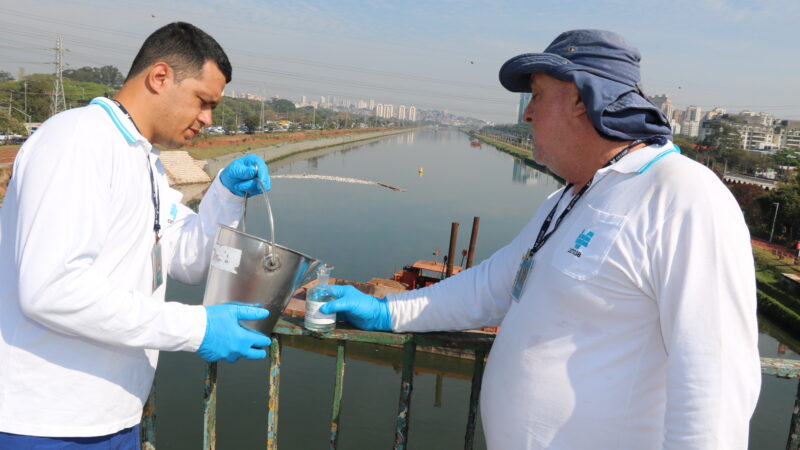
(5, 175)
(274, 137)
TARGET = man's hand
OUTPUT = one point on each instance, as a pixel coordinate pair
(362, 310)
(242, 175)
(227, 339)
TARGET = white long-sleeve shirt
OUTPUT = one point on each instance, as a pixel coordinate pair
(80, 324)
(643, 337)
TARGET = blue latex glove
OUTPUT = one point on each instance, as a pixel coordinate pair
(227, 339)
(362, 310)
(240, 175)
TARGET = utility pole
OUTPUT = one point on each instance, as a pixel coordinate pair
(58, 102)
(25, 83)
(777, 205)
(261, 123)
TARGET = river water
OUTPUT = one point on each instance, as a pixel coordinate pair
(365, 232)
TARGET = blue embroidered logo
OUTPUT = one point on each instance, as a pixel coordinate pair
(173, 211)
(583, 239)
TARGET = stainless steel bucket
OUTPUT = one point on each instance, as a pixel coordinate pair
(249, 269)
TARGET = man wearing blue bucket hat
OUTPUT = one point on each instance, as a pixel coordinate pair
(627, 305)
(89, 231)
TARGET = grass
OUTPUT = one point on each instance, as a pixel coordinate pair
(774, 301)
(220, 150)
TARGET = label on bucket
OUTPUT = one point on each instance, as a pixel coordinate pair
(314, 316)
(226, 258)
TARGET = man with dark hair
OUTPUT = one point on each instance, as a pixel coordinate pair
(185, 48)
(89, 231)
(627, 305)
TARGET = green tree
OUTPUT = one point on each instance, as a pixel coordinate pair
(5, 76)
(787, 196)
(11, 126)
(281, 105)
(723, 136)
(108, 75)
(251, 122)
(787, 157)
(230, 123)
(748, 195)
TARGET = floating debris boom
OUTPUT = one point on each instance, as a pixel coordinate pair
(337, 179)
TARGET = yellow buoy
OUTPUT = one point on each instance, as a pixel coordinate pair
(420, 171)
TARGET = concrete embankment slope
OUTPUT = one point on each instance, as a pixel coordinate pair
(277, 152)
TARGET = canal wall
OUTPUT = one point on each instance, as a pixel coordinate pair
(275, 156)
(281, 151)
(522, 153)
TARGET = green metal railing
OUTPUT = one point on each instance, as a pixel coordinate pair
(475, 342)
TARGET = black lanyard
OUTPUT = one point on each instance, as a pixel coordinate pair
(153, 186)
(543, 235)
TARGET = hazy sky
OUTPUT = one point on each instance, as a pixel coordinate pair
(433, 54)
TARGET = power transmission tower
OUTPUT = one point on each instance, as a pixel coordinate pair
(58, 102)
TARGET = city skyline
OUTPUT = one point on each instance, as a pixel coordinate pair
(438, 56)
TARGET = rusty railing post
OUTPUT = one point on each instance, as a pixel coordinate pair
(793, 443)
(337, 394)
(274, 380)
(406, 386)
(147, 433)
(474, 396)
(452, 252)
(210, 407)
(473, 240)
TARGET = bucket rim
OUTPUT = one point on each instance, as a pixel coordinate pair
(311, 258)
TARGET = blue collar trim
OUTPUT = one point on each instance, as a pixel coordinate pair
(109, 107)
(664, 153)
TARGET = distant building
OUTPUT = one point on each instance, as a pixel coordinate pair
(691, 121)
(757, 132)
(676, 126)
(678, 115)
(714, 113)
(664, 103)
(388, 111)
(401, 112)
(693, 114)
(371, 104)
(412, 113)
(379, 110)
(524, 99)
(787, 134)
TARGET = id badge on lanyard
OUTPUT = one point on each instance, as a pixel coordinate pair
(522, 276)
(155, 254)
(158, 273)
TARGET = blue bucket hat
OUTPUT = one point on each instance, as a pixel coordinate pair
(605, 69)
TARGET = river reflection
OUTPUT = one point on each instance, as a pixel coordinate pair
(365, 232)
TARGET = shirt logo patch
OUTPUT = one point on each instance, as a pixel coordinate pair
(583, 240)
(173, 212)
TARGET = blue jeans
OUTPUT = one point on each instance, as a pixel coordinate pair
(127, 439)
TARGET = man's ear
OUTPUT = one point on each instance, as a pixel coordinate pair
(159, 76)
(578, 108)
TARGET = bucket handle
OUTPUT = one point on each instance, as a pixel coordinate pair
(271, 261)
